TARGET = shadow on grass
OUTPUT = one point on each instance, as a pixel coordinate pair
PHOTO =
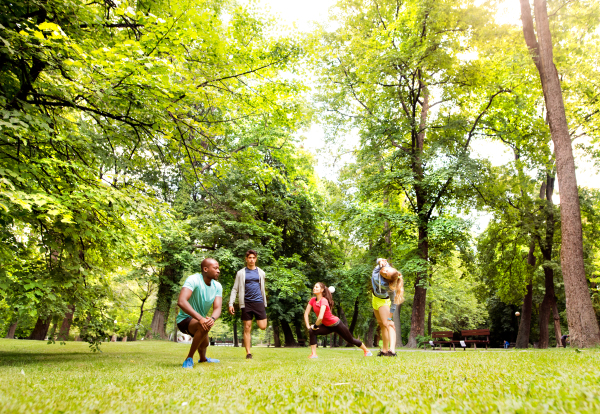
(13, 358)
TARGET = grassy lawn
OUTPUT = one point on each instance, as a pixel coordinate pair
(147, 377)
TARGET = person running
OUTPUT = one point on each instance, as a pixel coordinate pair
(250, 283)
(198, 294)
(326, 322)
(388, 287)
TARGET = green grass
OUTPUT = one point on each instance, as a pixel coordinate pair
(147, 377)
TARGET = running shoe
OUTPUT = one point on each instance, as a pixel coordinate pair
(391, 354)
(381, 353)
(312, 356)
(210, 360)
(188, 363)
(248, 356)
(368, 353)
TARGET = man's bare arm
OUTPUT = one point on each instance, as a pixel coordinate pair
(217, 307)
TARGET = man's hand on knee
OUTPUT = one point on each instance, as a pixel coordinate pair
(198, 327)
(207, 323)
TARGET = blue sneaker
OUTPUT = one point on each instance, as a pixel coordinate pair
(210, 360)
(188, 363)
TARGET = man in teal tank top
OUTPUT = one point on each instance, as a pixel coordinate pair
(200, 292)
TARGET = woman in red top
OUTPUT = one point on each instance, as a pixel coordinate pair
(326, 322)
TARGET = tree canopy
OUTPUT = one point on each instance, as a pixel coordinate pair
(138, 138)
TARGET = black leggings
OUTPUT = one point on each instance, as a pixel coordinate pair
(340, 329)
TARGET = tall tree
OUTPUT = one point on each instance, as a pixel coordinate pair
(583, 325)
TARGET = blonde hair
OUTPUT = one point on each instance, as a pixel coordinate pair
(396, 283)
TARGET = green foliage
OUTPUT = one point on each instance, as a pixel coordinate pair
(137, 138)
(452, 297)
(107, 108)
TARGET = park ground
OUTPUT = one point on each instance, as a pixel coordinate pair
(147, 377)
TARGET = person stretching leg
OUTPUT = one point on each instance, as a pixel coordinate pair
(250, 282)
(326, 323)
(198, 294)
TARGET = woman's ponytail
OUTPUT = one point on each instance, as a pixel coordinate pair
(399, 298)
(397, 284)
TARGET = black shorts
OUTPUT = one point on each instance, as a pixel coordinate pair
(254, 309)
(184, 325)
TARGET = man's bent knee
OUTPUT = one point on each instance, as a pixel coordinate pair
(262, 324)
(195, 328)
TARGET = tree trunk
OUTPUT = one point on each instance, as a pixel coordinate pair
(525, 325)
(65, 328)
(12, 329)
(52, 331)
(169, 279)
(377, 336)
(352, 326)
(398, 325)
(354, 316)
(158, 325)
(41, 329)
(429, 320)
(546, 244)
(526, 309)
(174, 329)
(546, 309)
(370, 332)
(135, 334)
(288, 335)
(299, 329)
(276, 335)
(557, 329)
(583, 326)
(417, 320)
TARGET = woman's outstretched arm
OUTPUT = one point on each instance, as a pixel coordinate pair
(306, 313)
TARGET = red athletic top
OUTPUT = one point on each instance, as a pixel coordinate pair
(328, 318)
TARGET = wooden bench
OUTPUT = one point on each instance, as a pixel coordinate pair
(476, 332)
(220, 342)
(440, 335)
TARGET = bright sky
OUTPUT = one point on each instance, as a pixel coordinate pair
(302, 14)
